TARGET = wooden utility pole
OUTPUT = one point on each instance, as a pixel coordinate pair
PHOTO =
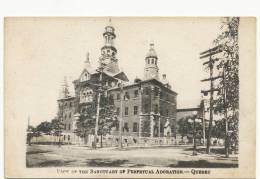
(121, 115)
(211, 105)
(98, 107)
(209, 53)
(202, 108)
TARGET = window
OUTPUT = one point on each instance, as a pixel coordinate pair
(161, 112)
(126, 111)
(127, 96)
(161, 128)
(167, 112)
(135, 110)
(70, 104)
(156, 91)
(126, 128)
(117, 111)
(136, 93)
(118, 96)
(64, 137)
(146, 108)
(156, 108)
(69, 126)
(148, 61)
(68, 137)
(161, 95)
(83, 110)
(84, 77)
(117, 125)
(135, 127)
(152, 60)
(111, 99)
(65, 117)
(113, 83)
(146, 89)
(86, 95)
(70, 115)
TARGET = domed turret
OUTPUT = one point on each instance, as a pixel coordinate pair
(151, 52)
(151, 69)
(108, 51)
(165, 81)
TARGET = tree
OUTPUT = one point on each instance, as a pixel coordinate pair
(107, 116)
(228, 65)
(31, 132)
(107, 120)
(86, 122)
(57, 127)
(185, 127)
(45, 127)
(217, 130)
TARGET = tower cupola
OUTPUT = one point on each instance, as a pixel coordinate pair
(151, 69)
(64, 93)
(108, 51)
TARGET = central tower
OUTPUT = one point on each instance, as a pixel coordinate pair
(108, 51)
(151, 69)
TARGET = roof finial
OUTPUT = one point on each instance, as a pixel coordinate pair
(152, 45)
(87, 58)
(64, 89)
(110, 22)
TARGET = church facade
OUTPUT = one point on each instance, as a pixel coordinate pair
(147, 107)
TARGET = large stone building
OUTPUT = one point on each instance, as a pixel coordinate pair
(148, 104)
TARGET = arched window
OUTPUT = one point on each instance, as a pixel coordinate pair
(86, 95)
(111, 99)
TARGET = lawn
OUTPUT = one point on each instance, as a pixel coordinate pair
(73, 156)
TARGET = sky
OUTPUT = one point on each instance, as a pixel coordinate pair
(39, 52)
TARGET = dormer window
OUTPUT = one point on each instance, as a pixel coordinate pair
(127, 96)
(85, 76)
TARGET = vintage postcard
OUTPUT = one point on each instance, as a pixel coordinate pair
(130, 97)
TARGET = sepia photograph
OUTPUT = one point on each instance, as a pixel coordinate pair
(129, 96)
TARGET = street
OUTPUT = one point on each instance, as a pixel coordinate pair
(163, 156)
